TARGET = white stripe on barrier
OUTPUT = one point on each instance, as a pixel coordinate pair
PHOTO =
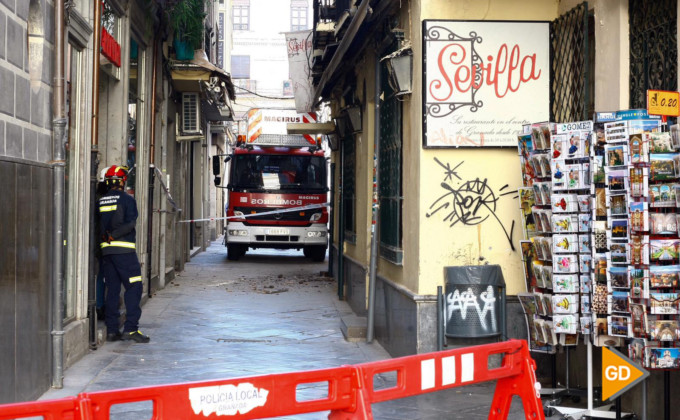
(265, 213)
(427, 374)
(448, 370)
(467, 367)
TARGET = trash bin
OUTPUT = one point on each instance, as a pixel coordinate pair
(474, 301)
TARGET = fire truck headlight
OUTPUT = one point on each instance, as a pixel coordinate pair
(316, 234)
(315, 217)
(238, 232)
(238, 213)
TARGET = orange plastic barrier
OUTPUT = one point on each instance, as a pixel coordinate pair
(350, 390)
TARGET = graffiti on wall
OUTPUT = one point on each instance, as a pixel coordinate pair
(469, 201)
(459, 303)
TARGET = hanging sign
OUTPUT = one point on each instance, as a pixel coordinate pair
(663, 102)
(483, 80)
(619, 374)
(110, 48)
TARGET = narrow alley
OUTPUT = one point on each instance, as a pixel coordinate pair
(221, 319)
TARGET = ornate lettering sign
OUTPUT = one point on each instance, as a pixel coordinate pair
(482, 80)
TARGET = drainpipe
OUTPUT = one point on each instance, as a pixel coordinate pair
(341, 227)
(58, 154)
(152, 168)
(331, 236)
(376, 204)
(94, 168)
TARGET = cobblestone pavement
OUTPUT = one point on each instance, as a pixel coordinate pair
(269, 312)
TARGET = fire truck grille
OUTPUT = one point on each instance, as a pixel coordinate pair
(276, 238)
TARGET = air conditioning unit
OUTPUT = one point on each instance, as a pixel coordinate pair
(191, 113)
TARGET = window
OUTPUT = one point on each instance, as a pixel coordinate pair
(298, 18)
(241, 17)
(240, 67)
(390, 173)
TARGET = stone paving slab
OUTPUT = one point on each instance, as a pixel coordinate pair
(269, 312)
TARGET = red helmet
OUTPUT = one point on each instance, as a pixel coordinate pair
(116, 174)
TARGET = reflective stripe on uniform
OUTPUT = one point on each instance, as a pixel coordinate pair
(104, 209)
(135, 279)
(119, 244)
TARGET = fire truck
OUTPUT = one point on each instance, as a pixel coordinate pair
(277, 188)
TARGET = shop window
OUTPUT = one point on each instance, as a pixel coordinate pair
(653, 48)
(240, 67)
(349, 187)
(241, 17)
(390, 172)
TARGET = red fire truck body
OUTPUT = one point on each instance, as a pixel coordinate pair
(265, 182)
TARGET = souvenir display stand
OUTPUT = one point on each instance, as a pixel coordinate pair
(601, 252)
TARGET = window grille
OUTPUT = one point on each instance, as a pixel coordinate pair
(570, 66)
(240, 67)
(298, 18)
(390, 172)
(653, 48)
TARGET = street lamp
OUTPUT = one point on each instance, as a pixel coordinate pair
(354, 117)
(400, 69)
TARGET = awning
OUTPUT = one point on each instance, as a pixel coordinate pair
(187, 75)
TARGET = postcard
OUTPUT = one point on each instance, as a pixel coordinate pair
(664, 303)
(662, 166)
(569, 339)
(617, 301)
(526, 204)
(565, 324)
(584, 222)
(616, 155)
(562, 223)
(638, 249)
(618, 252)
(585, 304)
(558, 175)
(565, 283)
(617, 204)
(564, 203)
(617, 179)
(618, 277)
(659, 142)
(576, 177)
(662, 195)
(618, 325)
(639, 327)
(538, 138)
(565, 243)
(584, 244)
(577, 144)
(662, 357)
(547, 303)
(538, 197)
(559, 146)
(528, 302)
(664, 330)
(619, 228)
(638, 149)
(598, 169)
(638, 279)
(546, 192)
(528, 257)
(639, 181)
(639, 216)
(565, 304)
(663, 223)
(600, 202)
(636, 351)
(663, 249)
(546, 276)
(585, 284)
(584, 203)
(585, 263)
(586, 325)
(565, 263)
(664, 276)
(675, 136)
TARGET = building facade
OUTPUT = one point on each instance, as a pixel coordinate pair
(449, 206)
(69, 114)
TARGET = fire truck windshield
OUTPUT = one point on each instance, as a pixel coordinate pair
(279, 172)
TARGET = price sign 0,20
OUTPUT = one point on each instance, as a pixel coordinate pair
(663, 102)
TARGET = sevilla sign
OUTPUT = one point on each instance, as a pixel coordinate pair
(483, 80)
(619, 374)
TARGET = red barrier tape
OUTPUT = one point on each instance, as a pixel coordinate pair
(350, 389)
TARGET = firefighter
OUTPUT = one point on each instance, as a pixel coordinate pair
(117, 212)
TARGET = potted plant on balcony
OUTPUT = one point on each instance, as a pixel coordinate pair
(185, 19)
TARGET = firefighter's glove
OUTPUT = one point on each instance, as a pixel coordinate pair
(106, 237)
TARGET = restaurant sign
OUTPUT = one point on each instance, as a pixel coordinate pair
(483, 80)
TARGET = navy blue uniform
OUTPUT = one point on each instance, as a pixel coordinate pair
(117, 215)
